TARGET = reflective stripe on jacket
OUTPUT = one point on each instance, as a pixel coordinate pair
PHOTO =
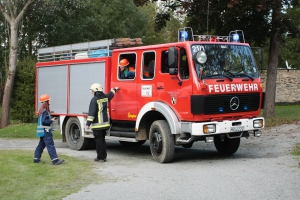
(98, 115)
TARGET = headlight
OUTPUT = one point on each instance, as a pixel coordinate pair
(259, 123)
(210, 128)
(201, 57)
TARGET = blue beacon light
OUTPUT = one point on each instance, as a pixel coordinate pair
(236, 37)
(183, 35)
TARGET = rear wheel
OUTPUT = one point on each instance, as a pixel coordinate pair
(132, 144)
(74, 136)
(225, 145)
(161, 142)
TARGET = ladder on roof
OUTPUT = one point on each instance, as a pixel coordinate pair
(68, 52)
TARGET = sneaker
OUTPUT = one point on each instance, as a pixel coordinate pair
(39, 161)
(100, 160)
(58, 162)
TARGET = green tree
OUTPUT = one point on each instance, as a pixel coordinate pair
(164, 35)
(13, 12)
(22, 104)
(290, 49)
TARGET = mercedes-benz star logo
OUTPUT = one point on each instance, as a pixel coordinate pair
(234, 103)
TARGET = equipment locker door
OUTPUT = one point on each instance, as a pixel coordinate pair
(82, 76)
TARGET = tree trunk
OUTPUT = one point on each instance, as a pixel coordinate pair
(269, 108)
(11, 74)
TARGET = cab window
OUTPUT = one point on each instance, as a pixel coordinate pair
(164, 62)
(183, 65)
(148, 65)
(127, 66)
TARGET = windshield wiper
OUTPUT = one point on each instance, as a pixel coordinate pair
(239, 74)
(220, 75)
(242, 74)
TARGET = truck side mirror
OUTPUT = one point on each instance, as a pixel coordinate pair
(172, 57)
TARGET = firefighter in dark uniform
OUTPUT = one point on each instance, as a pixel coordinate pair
(98, 118)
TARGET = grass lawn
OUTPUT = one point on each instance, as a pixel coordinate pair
(20, 178)
(284, 114)
(23, 131)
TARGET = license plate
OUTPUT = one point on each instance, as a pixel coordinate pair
(236, 129)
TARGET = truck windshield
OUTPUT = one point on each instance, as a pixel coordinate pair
(228, 61)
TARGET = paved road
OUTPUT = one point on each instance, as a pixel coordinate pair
(262, 168)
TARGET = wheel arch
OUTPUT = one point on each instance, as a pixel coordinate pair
(153, 111)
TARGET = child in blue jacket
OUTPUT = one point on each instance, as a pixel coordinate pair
(44, 131)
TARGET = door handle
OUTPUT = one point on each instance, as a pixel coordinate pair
(160, 87)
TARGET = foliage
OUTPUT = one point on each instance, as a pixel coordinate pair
(21, 179)
(54, 22)
(290, 49)
(253, 17)
(13, 12)
(22, 104)
(165, 35)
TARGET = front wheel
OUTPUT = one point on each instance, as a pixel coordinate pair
(225, 145)
(162, 145)
(74, 136)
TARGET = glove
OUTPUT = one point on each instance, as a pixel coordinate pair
(115, 89)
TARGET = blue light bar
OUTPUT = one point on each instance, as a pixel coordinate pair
(245, 107)
(221, 109)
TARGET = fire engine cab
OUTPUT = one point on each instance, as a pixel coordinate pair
(201, 88)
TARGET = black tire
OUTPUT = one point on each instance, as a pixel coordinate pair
(74, 136)
(188, 145)
(225, 145)
(162, 145)
(132, 144)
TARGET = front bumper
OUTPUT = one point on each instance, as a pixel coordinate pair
(223, 127)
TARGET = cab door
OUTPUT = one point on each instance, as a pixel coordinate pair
(147, 82)
(124, 104)
(176, 88)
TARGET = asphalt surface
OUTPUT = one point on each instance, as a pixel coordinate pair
(262, 168)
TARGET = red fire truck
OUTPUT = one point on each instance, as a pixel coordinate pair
(201, 88)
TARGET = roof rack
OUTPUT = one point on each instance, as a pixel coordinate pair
(85, 50)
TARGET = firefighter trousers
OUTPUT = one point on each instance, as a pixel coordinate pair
(100, 143)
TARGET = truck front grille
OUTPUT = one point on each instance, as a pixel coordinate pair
(231, 103)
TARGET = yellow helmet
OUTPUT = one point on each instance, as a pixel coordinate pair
(96, 87)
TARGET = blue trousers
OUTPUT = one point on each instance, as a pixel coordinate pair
(46, 141)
